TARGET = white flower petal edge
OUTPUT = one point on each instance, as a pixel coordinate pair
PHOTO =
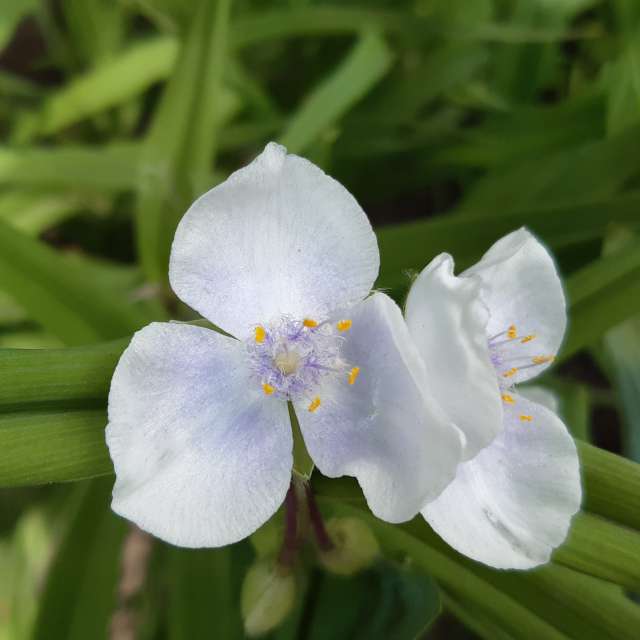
(448, 324)
(200, 458)
(521, 289)
(512, 505)
(278, 238)
(382, 429)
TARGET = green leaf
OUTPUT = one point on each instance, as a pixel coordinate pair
(52, 446)
(33, 212)
(601, 295)
(109, 169)
(179, 147)
(550, 601)
(58, 294)
(622, 80)
(612, 485)
(10, 15)
(79, 595)
(112, 83)
(595, 170)
(411, 246)
(205, 594)
(503, 609)
(387, 602)
(602, 549)
(356, 75)
(42, 379)
(623, 348)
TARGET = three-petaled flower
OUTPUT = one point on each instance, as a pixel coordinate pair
(282, 258)
(499, 323)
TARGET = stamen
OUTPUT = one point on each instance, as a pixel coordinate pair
(508, 399)
(261, 334)
(510, 373)
(309, 323)
(528, 338)
(315, 403)
(353, 374)
(542, 359)
(525, 418)
(268, 389)
(344, 325)
(511, 332)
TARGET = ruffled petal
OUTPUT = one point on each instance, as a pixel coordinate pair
(201, 459)
(447, 322)
(512, 505)
(383, 429)
(521, 287)
(279, 237)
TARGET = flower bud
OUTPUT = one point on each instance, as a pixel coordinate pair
(268, 594)
(355, 547)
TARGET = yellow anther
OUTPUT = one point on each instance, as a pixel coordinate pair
(260, 334)
(511, 332)
(308, 322)
(507, 398)
(542, 359)
(528, 339)
(315, 403)
(510, 373)
(525, 418)
(353, 374)
(344, 325)
(268, 389)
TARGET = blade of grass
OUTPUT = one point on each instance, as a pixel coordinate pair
(43, 447)
(356, 75)
(109, 168)
(168, 176)
(58, 294)
(601, 295)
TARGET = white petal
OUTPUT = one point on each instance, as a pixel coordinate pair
(383, 430)
(522, 288)
(279, 237)
(448, 323)
(541, 395)
(512, 505)
(201, 458)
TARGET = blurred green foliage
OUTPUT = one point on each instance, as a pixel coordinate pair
(452, 122)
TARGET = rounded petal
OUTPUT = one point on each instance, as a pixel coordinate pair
(382, 429)
(201, 459)
(279, 237)
(522, 288)
(541, 395)
(512, 505)
(447, 322)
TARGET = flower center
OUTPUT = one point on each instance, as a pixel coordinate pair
(289, 358)
(509, 358)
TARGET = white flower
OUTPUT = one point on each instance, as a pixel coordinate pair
(281, 257)
(499, 323)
